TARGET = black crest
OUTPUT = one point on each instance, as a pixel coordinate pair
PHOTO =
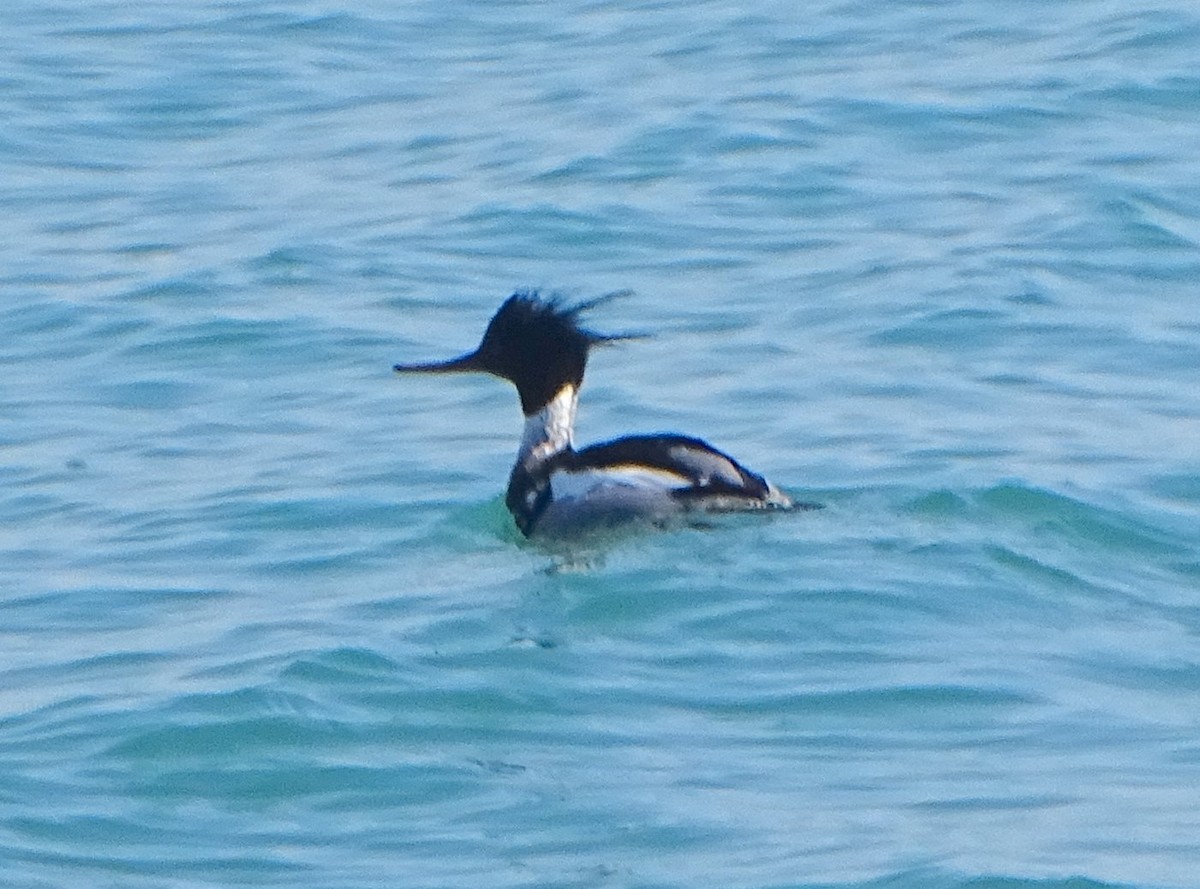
(535, 342)
(539, 345)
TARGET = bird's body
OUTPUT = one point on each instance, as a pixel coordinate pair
(555, 490)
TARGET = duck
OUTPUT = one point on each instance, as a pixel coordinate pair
(556, 490)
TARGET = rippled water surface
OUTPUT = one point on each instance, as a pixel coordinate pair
(264, 620)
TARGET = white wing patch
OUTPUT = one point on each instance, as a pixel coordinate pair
(575, 485)
(707, 465)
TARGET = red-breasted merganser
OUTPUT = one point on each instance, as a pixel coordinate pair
(555, 490)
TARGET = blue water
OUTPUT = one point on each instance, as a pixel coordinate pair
(264, 620)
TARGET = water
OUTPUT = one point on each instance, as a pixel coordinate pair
(263, 618)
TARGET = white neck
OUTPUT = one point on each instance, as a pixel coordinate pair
(551, 430)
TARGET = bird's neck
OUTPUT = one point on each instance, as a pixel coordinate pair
(550, 430)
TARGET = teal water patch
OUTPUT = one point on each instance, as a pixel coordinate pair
(1063, 516)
